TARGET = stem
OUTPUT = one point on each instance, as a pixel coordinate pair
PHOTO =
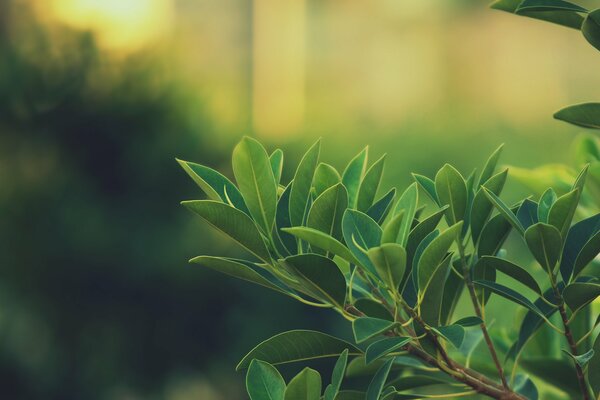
(477, 307)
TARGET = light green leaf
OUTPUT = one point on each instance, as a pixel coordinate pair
(385, 346)
(579, 294)
(302, 183)
(490, 165)
(434, 254)
(333, 388)
(510, 294)
(454, 334)
(505, 211)
(587, 254)
(353, 174)
(391, 230)
(253, 173)
(428, 185)
(389, 260)
(304, 386)
(276, 160)
(297, 345)
(215, 185)
(232, 222)
(545, 244)
(326, 212)
(365, 328)
(323, 276)
(264, 382)
(586, 115)
(546, 201)
(482, 207)
(591, 32)
(323, 241)
(562, 212)
(510, 269)
(369, 185)
(583, 359)
(408, 203)
(549, 5)
(451, 190)
(378, 382)
(361, 233)
(325, 177)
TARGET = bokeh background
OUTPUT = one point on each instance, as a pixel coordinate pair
(98, 97)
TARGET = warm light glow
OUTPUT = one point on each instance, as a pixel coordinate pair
(118, 24)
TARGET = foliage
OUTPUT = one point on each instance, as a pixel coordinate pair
(392, 268)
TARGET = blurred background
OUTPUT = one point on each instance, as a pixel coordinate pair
(98, 97)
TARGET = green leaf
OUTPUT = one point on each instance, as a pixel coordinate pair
(562, 212)
(569, 19)
(434, 254)
(525, 386)
(326, 212)
(385, 346)
(256, 181)
(333, 388)
(594, 367)
(365, 328)
(378, 381)
(361, 233)
(297, 345)
(408, 204)
(428, 185)
(391, 230)
(264, 382)
(276, 160)
(579, 294)
(323, 241)
(232, 222)
(549, 5)
(215, 185)
(451, 190)
(235, 269)
(546, 201)
(586, 115)
(578, 236)
(490, 165)
(510, 269)
(482, 208)
(453, 289)
(545, 244)
(381, 208)
(419, 232)
(468, 322)
(285, 243)
(587, 254)
(389, 260)
(591, 32)
(369, 185)
(350, 395)
(509, 294)
(527, 213)
(304, 386)
(325, 177)
(493, 235)
(454, 334)
(323, 276)
(431, 305)
(583, 359)
(505, 211)
(353, 174)
(372, 308)
(302, 183)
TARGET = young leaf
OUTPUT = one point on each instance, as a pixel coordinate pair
(562, 212)
(389, 260)
(302, 183)
(509, 294)
(369, 185)
(482, 208)
(546, 201)
(381, 208)
(586, 115)
(353, 175)
(408, 203)
(391, 230)
(365, 328)
(297, 345)
(451, 190)
(378, 382)
(263, 381)
(276, 160)
(385, 346)
(304, 386)
(323, 276)
(549, 5)
(336, 378)
(215, 185)
(545, 244)
(325, 177)
(579, 294)
(428, 185)
(578, 236)
(454, 334)
(490, 166)
(232, 222)
(256, 181)
(510, 269)
(327, 211)
(323, 241)
(361, 233)
(505, 211)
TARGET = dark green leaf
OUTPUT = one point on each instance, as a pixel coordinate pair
(408, 205)
(525, 386)
(297, 345)
(325, 177)
(276, 160)
(431, 304)
(232, 222)
(418, 254)
(580, 294)
(558, 373)
(326, 212)
(264, 382)
(380, 210)
(527, 213)
(333, 388)
(369, 185)
(302, 183)
(434, 254)
(304, 386)
(570, 19)
(546, 201)
(482, 208)
(505, 211)
(509, 294)
(428, 185)
(353, 175)
(385, 346)
(591, 31)
(452, 290)
(419, 232)
(350, 395)
(512, 270)
(256, 181)
(378, 382)
(285, 243)
(454, 334)
(562, 212)
(389, 260)
(594, 367)
(361, 233)
(586, 115)
(365, 328)
(490, 165)
(451, 190)
(545, 243)
(583, 359)
(323, 241)
(372, 308)
(467, 322)
(578, 236)
(587, 254)
(549, 5)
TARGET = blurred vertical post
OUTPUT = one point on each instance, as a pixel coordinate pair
(279, 59)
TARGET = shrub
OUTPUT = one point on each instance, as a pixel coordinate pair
(397, 272)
